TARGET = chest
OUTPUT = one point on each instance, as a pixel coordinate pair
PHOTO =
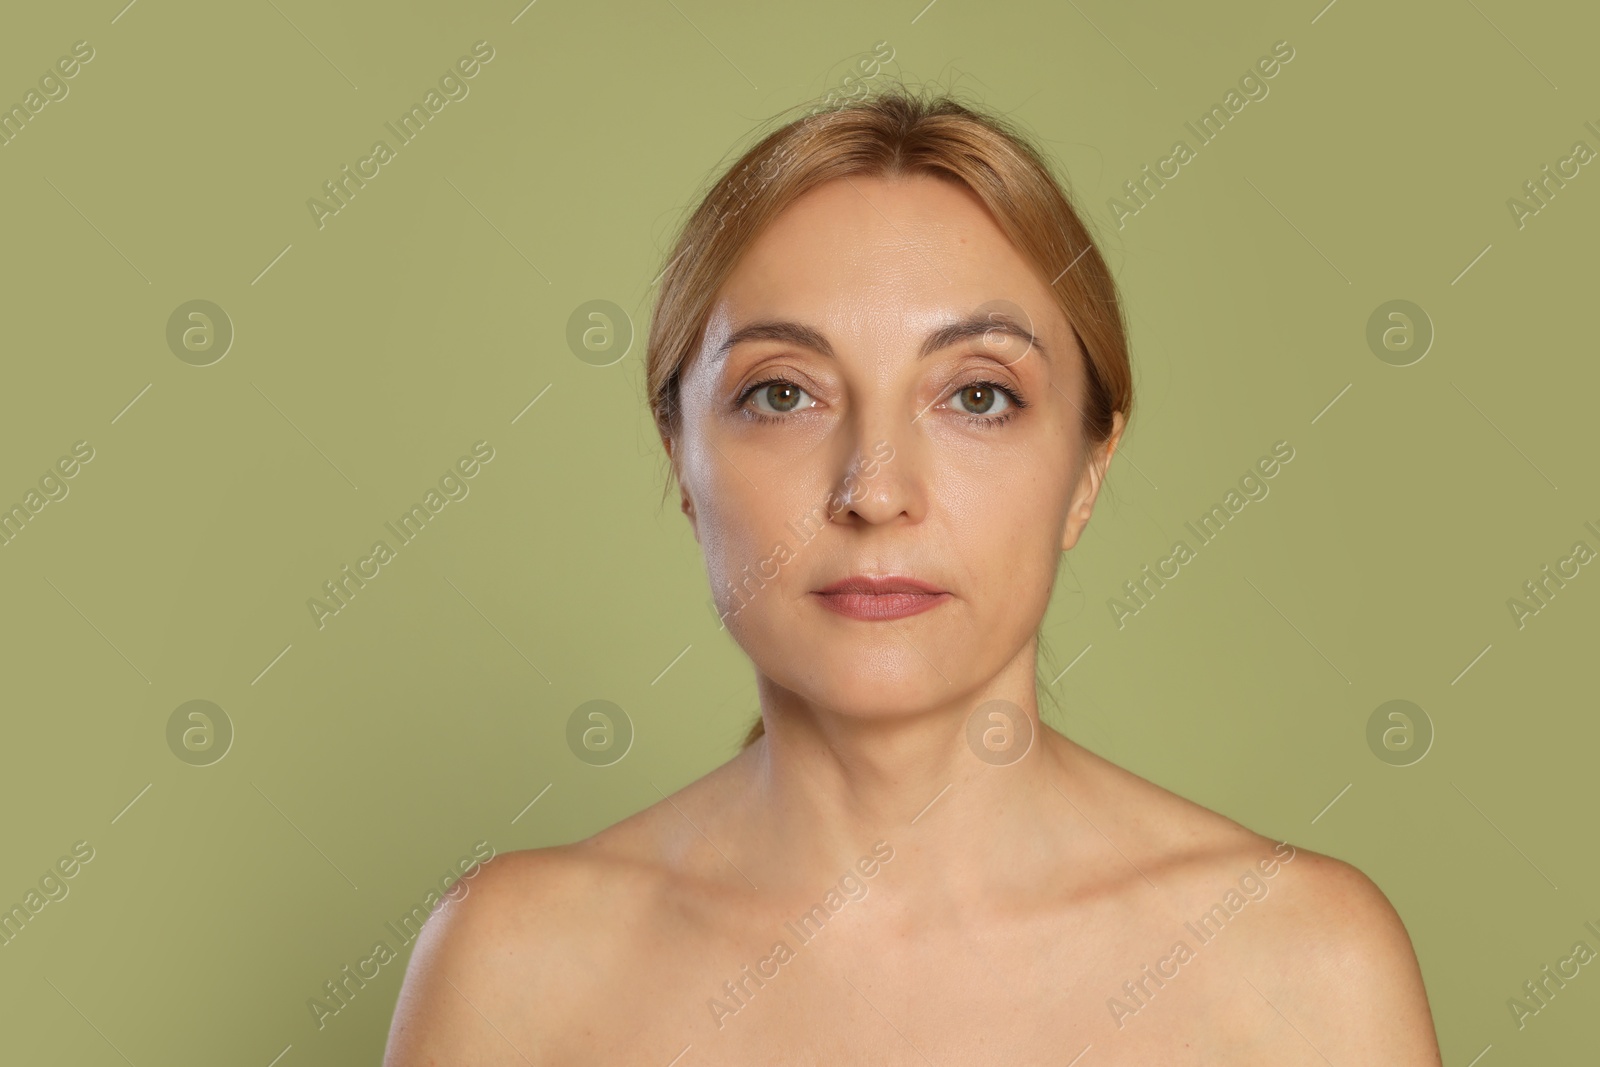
(1116, 991)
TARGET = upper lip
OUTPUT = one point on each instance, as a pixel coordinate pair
(891, 583)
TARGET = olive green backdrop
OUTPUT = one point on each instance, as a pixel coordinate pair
(370, 351)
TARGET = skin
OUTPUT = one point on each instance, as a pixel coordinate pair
(1016, 899)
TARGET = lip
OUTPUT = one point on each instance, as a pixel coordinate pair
(883, 598)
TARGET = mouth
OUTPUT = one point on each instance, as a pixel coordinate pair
(880, 599)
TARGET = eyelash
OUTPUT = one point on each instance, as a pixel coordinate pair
(987, 421)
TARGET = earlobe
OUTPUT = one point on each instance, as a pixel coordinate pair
(686, 505)
(1081, 508)
(1073, 528)
(1098, 466)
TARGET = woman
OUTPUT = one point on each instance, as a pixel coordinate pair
(889, 368)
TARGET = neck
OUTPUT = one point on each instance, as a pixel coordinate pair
(948, 793)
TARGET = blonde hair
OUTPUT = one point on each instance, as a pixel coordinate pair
(887, 134)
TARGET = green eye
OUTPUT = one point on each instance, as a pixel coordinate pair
(777, 397)
(983, 398)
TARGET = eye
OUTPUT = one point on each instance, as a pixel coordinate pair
(987, 401)
(776, 397)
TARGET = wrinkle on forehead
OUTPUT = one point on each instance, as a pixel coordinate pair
(873, 262)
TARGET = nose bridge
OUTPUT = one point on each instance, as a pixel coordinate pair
(878, 477)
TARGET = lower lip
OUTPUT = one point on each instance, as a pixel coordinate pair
(881, 606)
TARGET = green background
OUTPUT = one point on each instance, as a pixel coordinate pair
(371, 754)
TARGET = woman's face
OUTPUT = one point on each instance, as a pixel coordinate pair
(831, 431)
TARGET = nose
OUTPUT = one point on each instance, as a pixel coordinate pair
(880, 480)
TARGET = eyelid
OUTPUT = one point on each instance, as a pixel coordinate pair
(754, 389)
(993, 358)
(781, 364)
(986, 373)
(785, 376)
(1014, 398)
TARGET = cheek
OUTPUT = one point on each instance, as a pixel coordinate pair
(1004, 512)
(750, 535)
(759, 503)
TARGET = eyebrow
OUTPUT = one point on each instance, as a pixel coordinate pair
(798, 333)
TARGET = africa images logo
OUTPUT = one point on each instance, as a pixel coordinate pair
(851, 886)
(452, 84)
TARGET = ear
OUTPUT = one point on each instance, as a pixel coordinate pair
(685, 502)
(1087, 490)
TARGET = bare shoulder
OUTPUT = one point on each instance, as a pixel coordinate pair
(511, 971)
(475, 949)
(1335, 957)
(1324, 949)
(491, 972)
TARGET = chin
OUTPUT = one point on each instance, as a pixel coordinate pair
(868, 679)
(858, 700)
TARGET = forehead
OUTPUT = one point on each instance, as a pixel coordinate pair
(879, 257)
